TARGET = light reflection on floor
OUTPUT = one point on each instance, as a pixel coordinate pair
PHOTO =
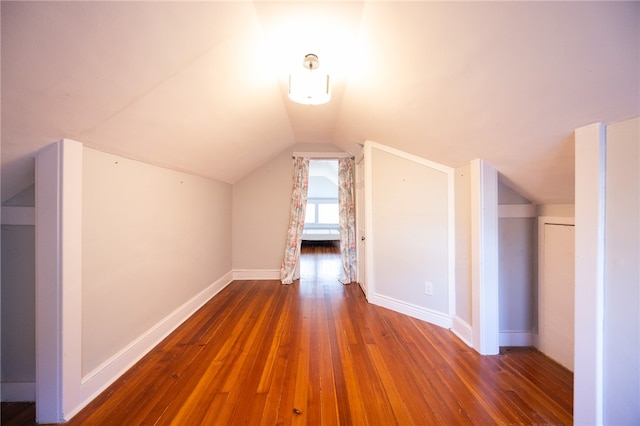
(320, 268)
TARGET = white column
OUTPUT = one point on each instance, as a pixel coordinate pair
(590, 148)
(58, 280)
(484, 258)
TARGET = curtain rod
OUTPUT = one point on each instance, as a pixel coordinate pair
(329, 155)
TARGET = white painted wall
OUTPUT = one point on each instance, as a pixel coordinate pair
(516, 268)
(622, 275)
(17, 343)
(58, 262)
(261, 202)
(18, 312)
(509, 196)
(556, 210)
(463, 249)
(517, 276)
(411, 228)
(607, 321)
(125, 252)
(484, 258)
(152, 239)
(589, 274)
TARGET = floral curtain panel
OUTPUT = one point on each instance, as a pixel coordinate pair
(346, 203)
(288, 270)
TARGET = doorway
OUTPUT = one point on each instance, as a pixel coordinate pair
(320, 250)
(322, 220)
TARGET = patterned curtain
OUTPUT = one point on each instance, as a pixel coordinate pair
(296, 220)
(346, 204)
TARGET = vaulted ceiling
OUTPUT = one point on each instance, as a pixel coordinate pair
(201, 86)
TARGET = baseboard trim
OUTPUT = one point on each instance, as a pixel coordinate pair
(518, 338)
(463, 330)
(414, 311)
(18, 392)
(256, 274)
(109, 371)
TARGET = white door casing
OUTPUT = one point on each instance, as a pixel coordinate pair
(360, 223)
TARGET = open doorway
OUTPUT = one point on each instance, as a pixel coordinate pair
(330, 218)
(320, 250)
(322, 217)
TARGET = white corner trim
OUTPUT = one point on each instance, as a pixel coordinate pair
(516, 210)
(415, 311)
(19, 392)
(484, 257)
(518, 338)
(256, 274)
(463, 330)
(57, 276)
(451, 240)
(105, 374)
(410, 157)
(368, 221)
(18, 215)
(590, 176)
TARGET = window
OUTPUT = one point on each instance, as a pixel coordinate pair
(322, 202)
(321, 212)
(328, 213)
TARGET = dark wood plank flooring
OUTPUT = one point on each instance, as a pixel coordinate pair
(316, 353)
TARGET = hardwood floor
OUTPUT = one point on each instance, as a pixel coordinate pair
(316, 353)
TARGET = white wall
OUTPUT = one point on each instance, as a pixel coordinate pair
(18, 298)
(125, 252)
(411, 230)
(556, 210)
(516, 268)
(463, 246)
(261, 202)
(509, 196)
(18, 309)
(607, 319)
(152, 239)
(517, 275)
(484, 258)
(589, 266)
(622, 275)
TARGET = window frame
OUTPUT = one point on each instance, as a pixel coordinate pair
(316, 202)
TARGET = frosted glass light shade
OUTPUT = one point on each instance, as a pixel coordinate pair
(309, 87)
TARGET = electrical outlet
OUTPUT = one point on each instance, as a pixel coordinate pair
(428, 288)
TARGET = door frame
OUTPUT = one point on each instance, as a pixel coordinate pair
(361, 228)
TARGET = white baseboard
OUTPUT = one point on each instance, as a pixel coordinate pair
(105, 374)
(256, 274)
(518, 338)
(415, 311)
(463, 330)
(18, 392)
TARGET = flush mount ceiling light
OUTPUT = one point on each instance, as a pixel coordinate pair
(309, 86)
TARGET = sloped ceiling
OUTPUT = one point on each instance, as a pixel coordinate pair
(201, 86)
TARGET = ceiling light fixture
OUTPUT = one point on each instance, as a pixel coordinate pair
(309, 86)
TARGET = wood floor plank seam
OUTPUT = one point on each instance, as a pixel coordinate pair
(316, 353)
